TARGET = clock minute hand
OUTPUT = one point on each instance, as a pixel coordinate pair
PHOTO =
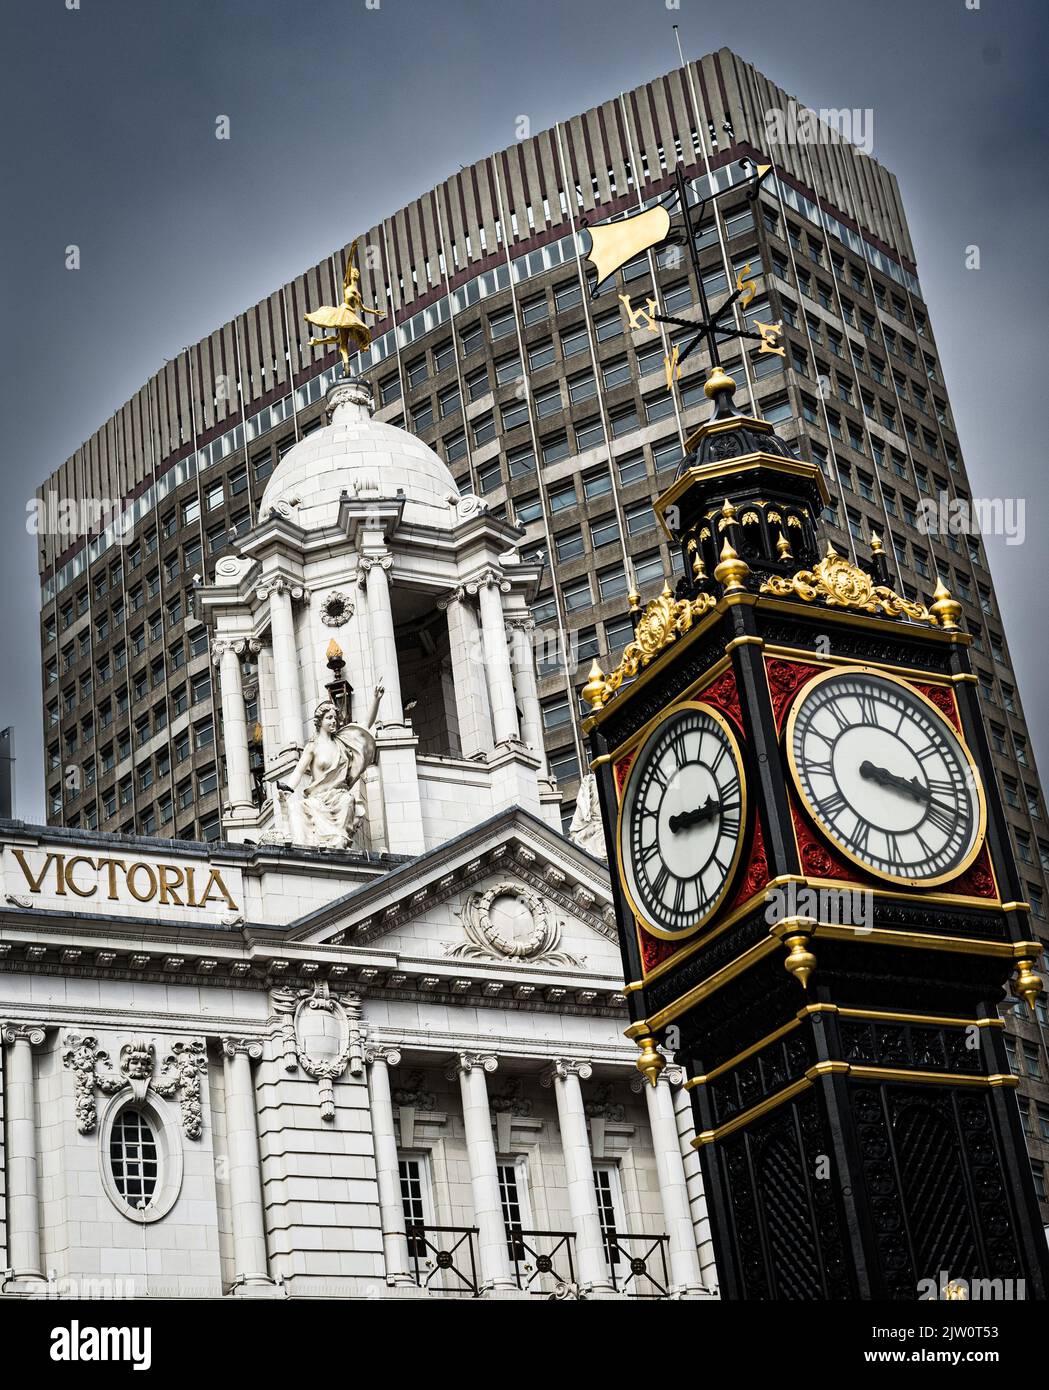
(701, 813)
(886, 778)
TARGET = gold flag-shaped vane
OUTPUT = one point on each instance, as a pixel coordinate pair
(612, 244)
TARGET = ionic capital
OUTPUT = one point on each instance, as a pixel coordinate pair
(456, 595)
(469, 1061)
(487, 578)
(561, 1068)
(32, 1033)
(382, 1052)
(250, 1047)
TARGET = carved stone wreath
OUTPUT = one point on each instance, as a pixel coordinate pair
(179, 1076)
(336, 609)
(485, 940)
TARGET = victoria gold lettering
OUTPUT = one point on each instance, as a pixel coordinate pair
(167, 884)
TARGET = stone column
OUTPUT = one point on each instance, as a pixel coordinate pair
(523, 662)
(685, 1275)
(564, 1075)
(693, 1169)
(23, 1212)
(489, 589)
(383, 641)
(226, 655)
(250, 1263)
(285, 664)
(471, 697)
(391, 1209)
(493, 1253)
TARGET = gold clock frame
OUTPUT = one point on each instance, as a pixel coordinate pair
(734, 748)
(788, 747)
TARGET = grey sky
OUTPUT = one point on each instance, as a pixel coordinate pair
(340, 114)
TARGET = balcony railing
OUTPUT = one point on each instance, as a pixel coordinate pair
(638, 1264)
(444, 1258)
(541, 1259)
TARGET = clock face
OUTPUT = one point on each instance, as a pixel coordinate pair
(681, 821)
(886, 777)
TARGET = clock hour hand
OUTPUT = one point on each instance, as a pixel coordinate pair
(685, 818)
(885, 778)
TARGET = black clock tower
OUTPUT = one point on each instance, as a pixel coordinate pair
(818, 907)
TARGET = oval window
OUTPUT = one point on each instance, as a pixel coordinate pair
(133, 1158)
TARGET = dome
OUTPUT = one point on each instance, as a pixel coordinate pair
(358, 455)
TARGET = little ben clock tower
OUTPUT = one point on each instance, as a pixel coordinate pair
(817, 903)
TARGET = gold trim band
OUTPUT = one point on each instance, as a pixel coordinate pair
(711, 1136)
(936, 1020)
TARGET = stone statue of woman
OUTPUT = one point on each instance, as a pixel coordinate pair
(327, 813)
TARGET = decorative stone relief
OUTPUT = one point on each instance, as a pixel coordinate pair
(230, 569)
(467, 505)
(601, 1106)
(336, 609)
(179, 1076)
(509, 922)
(413, 1094)
(322, 1035)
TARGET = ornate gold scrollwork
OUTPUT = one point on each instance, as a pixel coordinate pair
(664, 620)
(841, 585)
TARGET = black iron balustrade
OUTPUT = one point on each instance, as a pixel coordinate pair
(638, 1264)
(541, 1257)
(452, 1263)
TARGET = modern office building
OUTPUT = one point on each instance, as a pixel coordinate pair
(554, 409)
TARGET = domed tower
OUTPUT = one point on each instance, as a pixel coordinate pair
(396, 689)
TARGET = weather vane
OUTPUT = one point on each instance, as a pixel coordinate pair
(613, 244)
(346, 318)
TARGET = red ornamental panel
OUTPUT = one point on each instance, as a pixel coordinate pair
(654, 951)
(978, 879)
(723, 694)
(785, 679)
(817, 860)
(943, 699)
(756, 874)
(620, 770)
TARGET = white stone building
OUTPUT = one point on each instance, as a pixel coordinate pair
(371, 1045)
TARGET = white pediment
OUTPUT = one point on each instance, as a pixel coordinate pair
(522, 897)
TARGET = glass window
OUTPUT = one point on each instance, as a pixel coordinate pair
(562, 496)
(577, 595)
(528, 508)
(501, 325)
(631, 467)
(604, 531)
(133, 1158)
(568, 545)
(597, 484)
(521, 461)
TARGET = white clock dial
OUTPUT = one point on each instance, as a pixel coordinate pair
(886, 777)
(681, 821)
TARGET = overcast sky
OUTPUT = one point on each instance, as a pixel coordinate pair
(341, 113)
